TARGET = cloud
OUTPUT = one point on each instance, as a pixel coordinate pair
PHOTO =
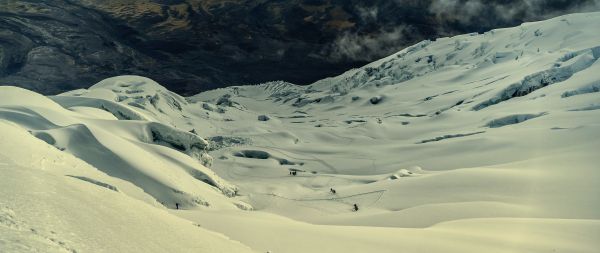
(457, 10)
(366, 47)
(473, 12)
(367, 14)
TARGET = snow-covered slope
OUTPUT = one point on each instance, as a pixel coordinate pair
(475, 143)
(53, 202)
(500, 126)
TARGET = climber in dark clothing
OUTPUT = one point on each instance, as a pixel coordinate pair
(355, 207)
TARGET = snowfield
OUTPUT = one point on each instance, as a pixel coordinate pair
(475, 143)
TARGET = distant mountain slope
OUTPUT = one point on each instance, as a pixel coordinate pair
(195, 45)
(510, 62)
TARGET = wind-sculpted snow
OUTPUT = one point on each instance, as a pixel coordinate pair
(114, 156)
(96, 182)
(53, 201)
(128, 146)
(128, 98)
(121, 112)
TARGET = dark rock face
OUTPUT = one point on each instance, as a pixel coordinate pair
(193, 45)
(53, 46)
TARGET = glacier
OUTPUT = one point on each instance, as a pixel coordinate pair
(473, 143)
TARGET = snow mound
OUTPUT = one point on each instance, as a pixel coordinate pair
(14, 96)
(168, 164)
(129, 98)
(121, 112)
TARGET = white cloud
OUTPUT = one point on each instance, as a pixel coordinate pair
(469, 11)
(357, 47)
